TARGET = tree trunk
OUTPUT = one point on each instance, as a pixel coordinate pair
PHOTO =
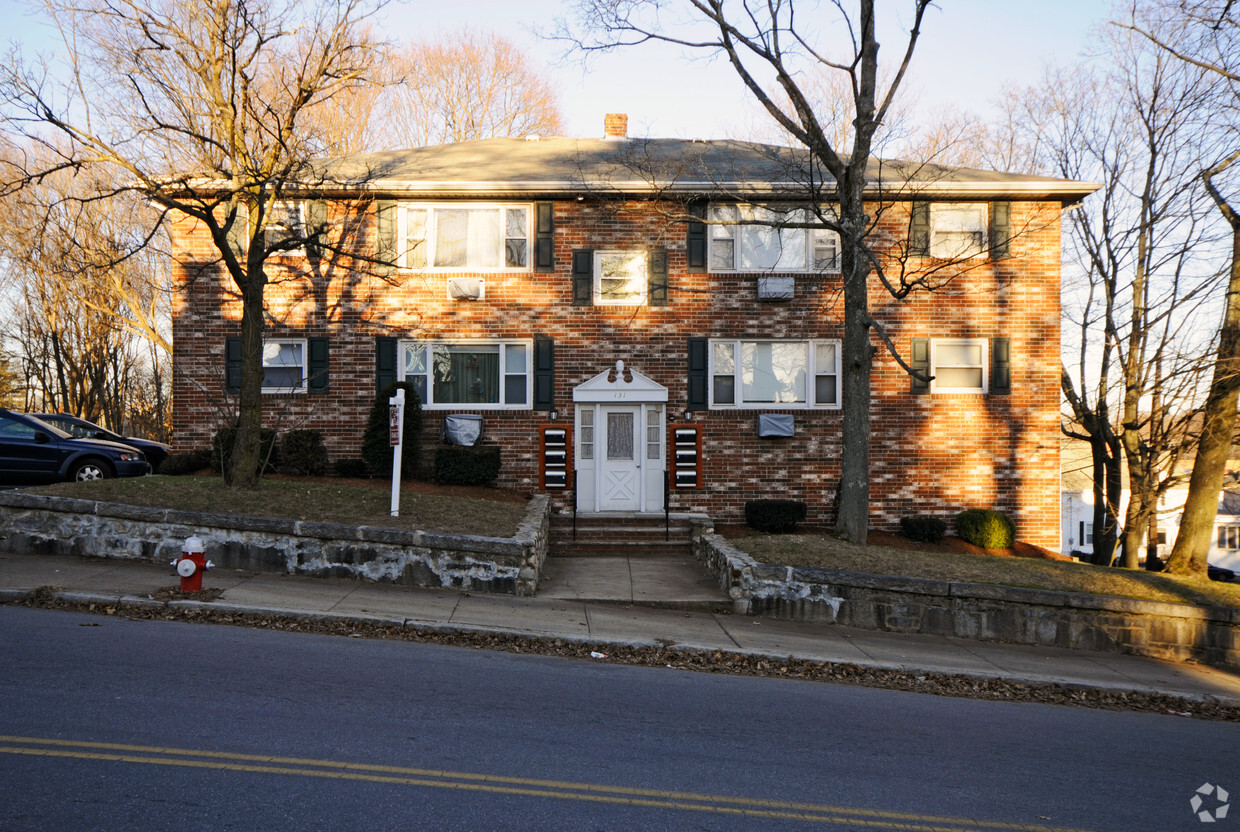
(245, 468)
(1192, 543)
(853, 522)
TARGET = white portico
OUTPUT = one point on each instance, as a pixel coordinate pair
(621, 421)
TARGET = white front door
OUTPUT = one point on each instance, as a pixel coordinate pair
(619, 450)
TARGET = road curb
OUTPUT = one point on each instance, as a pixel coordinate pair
(912, 675)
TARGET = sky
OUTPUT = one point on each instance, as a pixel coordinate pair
(969, 51)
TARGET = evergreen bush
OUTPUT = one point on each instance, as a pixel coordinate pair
(376, 444)
(986, 528)
(302, 452)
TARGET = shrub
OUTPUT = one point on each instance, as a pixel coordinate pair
(774, 516)
(222, 447)
(302, 452)
(376, 445)
(923, 527)
(986, 528)
(175, 465)
(467, 465)
(353, 468)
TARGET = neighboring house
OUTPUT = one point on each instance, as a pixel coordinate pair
(1078, 511)
(624, 296)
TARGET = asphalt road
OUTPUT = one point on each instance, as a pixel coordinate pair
(111, 724)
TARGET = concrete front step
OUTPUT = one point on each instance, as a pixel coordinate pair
(620, 535)
(619, 548)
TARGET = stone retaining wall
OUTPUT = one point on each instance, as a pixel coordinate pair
(33, 523)
(1181, 632)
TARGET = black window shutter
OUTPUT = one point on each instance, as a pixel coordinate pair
(695, 238)
(544, 237)
(316, 225)
(385, 362)
(232, 365)
(385, 217)
(919, 359)
(1000, 230)
(544, 373)
(919, 230)
(698, 369)
(657, 288)
(318, 364)
(583, 277)
(1001, 366)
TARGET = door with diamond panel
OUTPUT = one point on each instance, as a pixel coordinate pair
(619, 457)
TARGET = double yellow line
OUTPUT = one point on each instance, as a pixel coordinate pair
(496, 784)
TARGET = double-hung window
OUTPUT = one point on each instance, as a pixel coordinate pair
(620, 278)
(774, 374)
(958, 365)
(464, 237)
(284, 365)
(487, 374)
(752, 238)
(957, 230)
(286, 220)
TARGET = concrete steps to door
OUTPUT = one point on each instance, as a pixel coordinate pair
(620, 535)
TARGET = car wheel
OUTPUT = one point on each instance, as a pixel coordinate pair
(89, 470)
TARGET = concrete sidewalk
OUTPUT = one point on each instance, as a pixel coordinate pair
(603, 604)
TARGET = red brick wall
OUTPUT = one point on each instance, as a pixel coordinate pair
(930, 454)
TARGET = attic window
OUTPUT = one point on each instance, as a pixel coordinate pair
(957, 230)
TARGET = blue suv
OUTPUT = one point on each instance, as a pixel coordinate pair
(34, 451)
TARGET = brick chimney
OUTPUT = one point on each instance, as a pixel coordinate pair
(616, 126)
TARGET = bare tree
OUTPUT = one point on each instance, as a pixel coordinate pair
(1206, 34)
(772, 49)
(464, 86)
(197, 108)
(1142, 281)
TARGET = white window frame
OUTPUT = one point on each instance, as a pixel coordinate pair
(642, 281)
(503, 345)
(812, 372)
(406, 260)
(305, 365)
(941, 212)
(726, 225)
(938, 387)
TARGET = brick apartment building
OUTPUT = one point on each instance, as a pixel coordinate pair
(625, 313)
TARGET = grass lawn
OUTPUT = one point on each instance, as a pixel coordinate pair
(480, 511)
(895, 556)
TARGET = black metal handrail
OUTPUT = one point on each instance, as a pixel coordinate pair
(573, 488)
(667, 505)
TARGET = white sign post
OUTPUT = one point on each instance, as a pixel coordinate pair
(396, 434)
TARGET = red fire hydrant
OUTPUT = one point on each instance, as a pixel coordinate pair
(191, 564)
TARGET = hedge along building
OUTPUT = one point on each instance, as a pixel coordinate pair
(651, 322)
